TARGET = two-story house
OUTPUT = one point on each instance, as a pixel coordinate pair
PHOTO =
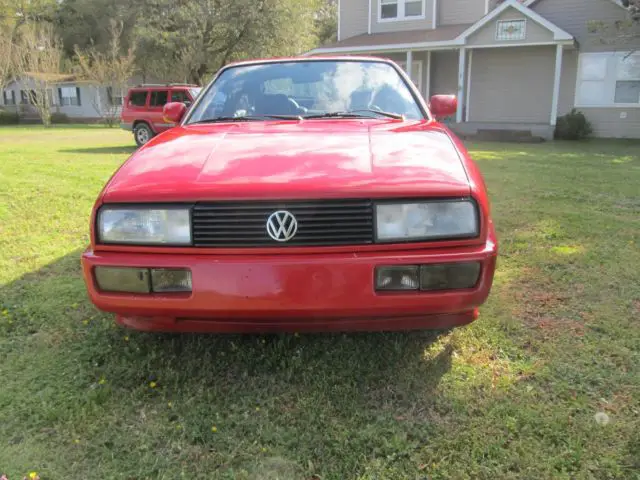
(512, 64)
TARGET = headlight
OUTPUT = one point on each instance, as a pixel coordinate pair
(170, 226)
(426, 220)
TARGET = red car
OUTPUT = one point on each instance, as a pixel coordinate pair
(303, 194)
(142, 108)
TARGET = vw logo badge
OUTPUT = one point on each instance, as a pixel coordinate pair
(282, 226)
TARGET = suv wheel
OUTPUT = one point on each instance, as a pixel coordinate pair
(142, 133)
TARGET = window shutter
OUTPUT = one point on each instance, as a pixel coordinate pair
(78, 95)
(4, 97)
(13, 96)
(60, 96)
(110, 95)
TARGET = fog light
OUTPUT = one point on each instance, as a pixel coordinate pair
(170, 280)
(397, 278)
(122, 279)
(449, 276)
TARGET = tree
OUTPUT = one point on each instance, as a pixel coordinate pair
(110, 70)
(621, 32)
(38, 57)
(326, 20)
(188, 40)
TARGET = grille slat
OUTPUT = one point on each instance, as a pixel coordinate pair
(320, 223)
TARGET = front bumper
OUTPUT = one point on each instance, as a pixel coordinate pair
(260, 293)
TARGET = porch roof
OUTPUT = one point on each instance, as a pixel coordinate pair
(400, 39)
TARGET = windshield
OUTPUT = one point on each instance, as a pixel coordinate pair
(195, 92)
(307, 89)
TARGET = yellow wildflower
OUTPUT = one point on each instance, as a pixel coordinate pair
(126, 338)
(170, 404)
(33, 475)
(153, 384)
(85, 322)
(257, 409)
(102, 381)
(214, 429)
(76, 441)
(5, 312)
(264, 450)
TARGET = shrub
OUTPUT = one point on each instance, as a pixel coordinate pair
(9, 118)
(59, 118)
(573, 126)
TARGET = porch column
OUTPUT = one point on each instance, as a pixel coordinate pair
(556, 85)
(428, 85)
(409, 62)
(461, 65)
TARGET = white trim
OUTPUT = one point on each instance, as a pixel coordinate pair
(461, 65)
(468, 99)
(401, 12)
(338, 35)
(486, 6)
(434, 14)
(521, 44)
(370, 15)
(556, 85)
(558, 33)
(446, 45)
(428, 85)
(409, 61)
(524, 33)
(528, 3)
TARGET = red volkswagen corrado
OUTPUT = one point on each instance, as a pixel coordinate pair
(303, 194)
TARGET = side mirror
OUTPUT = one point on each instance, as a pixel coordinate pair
(443, 105)
(173, 112)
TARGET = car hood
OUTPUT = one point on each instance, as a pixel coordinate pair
(289, 160)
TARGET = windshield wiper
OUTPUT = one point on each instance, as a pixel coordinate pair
(247, 118)
(355, 114)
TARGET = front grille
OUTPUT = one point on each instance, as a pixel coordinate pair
(320, 223)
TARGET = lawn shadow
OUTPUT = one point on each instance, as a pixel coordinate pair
(301, 382)
(102, 150)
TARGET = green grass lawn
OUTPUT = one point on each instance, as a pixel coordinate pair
(514, 395)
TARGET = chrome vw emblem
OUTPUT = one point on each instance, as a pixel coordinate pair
(282, 226)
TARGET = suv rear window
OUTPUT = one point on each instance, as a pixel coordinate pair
(180, 96)
(158, 98)
(138, 99)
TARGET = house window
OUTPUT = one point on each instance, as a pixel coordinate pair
(9, 97)
(416, 72)
(390, 10)
(511, 30)
(608, 79)
(114, 96)
(69, 96)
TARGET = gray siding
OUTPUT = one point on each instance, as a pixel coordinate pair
(568, 81)
(535, 33)
(353, 18)
(453, 12)
(512, 84)
(607, 123)
(573, 16)
(444, 72)
(401, 25)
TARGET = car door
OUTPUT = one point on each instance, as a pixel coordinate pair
(157, 100)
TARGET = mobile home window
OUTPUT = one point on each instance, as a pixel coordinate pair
(9, 97)
(69, 96)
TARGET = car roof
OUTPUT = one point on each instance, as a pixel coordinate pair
(315, 58)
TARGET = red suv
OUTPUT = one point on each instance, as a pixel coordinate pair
(142, 109)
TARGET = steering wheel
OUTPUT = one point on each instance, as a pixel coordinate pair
(298, 108)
